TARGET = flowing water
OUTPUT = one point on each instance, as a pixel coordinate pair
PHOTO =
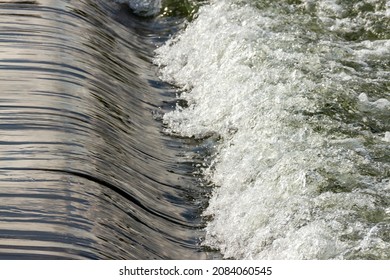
(272, 141)
(293, 99)
(85, 171)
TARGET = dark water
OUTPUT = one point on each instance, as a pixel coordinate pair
(85, 171)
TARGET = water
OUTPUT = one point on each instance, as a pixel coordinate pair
(292, 101)
(85, 170)
(271, 143)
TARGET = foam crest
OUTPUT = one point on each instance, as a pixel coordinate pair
(299, 113)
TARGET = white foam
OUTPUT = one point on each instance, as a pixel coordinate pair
(387, 138)
(380, 103)
(285, 173)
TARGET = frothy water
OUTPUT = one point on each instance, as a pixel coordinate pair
(293, 98)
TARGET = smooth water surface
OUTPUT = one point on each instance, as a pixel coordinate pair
(85, 171)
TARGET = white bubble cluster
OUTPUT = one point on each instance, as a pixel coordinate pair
(295, 170)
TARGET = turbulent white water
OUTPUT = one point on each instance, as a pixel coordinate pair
(299, 94)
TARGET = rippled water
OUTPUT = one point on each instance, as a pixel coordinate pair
(85, 171)
(280, 116)
(293, 97)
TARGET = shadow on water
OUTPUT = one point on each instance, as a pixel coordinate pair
(85, 171)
